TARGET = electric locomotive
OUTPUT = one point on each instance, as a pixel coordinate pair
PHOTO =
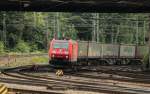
(63, 52)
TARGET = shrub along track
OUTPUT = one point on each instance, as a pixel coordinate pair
(99, 80)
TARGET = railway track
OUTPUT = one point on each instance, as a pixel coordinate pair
(119, 75)
(25, 91)
(85, 80)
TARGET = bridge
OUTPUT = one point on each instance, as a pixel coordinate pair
(76, 5)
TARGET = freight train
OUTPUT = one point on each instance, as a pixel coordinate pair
(70, 52)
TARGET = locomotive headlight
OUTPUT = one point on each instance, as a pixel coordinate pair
(53, 55)
(66, 56)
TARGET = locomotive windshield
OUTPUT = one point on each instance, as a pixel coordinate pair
(60, 45)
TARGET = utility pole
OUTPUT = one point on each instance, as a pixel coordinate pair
(149, 46)
(47, 34)
(57, 26)
(144, 29)
(34, 14)
(54, 25)
(137, 33)
(146, 65)
(94, 27)
(97, 26)
(112, 34)
(117, 34)
(4, 28)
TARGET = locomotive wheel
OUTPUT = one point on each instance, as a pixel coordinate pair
(135, 62)
(75, 68)
(103, 62)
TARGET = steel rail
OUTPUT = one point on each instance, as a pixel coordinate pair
(83, 86)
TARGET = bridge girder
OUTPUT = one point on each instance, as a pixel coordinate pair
(76, 5)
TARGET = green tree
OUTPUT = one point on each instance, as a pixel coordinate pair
(22, 47)
(1, 47)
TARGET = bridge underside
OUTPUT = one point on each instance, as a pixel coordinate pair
(76, 5)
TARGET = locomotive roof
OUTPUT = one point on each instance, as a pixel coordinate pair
(61, 40)
(73, 41)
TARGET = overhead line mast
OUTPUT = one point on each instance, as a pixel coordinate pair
(4, 28)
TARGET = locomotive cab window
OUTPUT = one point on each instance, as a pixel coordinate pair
(60, 45)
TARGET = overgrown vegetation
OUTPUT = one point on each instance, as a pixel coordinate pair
(23, 61)
(31, 31)
(39, 60)
(1, 47)
(22, 47)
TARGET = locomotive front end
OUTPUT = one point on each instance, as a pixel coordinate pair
(59, 52)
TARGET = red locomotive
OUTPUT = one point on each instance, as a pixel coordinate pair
(63, 52)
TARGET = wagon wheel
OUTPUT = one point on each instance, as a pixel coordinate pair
(118, 62)
(75, 67)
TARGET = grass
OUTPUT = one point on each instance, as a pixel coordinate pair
(13, 61)
(19, 53)
(38, 59)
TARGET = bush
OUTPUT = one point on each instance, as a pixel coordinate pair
(1, 47)
(146, 58)
(33, 48)
(22, 47)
